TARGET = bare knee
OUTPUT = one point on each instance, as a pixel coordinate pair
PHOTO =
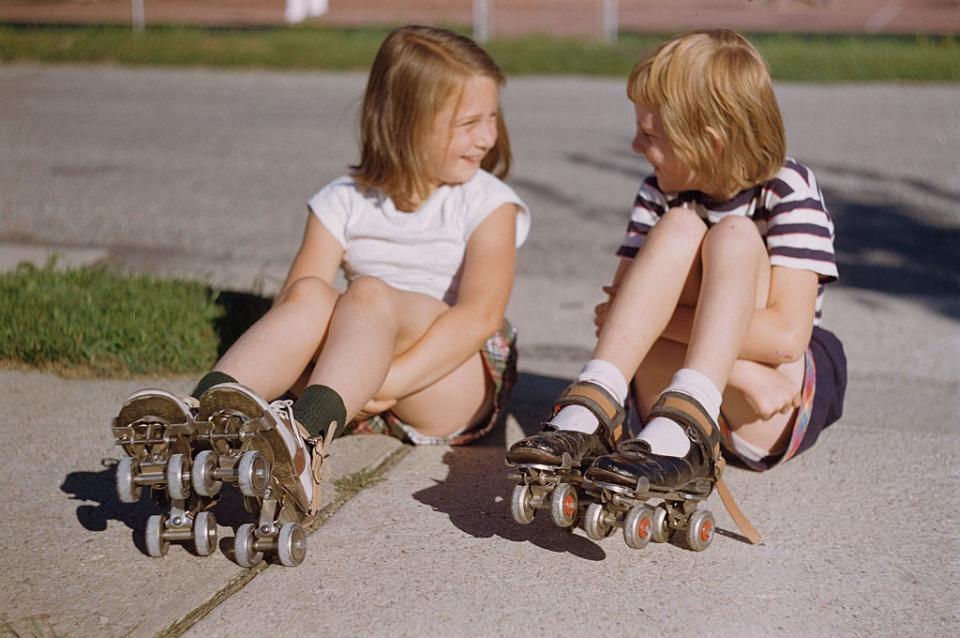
(680, 222)
(371, 292)
(733, 235)
(308, 290)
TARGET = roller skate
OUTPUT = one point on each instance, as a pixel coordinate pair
(155, 428)
(622, 483)
(273, 461)
(550, 464)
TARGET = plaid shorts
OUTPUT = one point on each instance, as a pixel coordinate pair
(500, 360)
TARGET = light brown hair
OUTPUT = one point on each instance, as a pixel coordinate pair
(416, 71)
(711, 88)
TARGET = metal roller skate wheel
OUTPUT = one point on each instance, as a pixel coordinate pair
(127, 490)
(156, 545)
(700, 530)
(563, 505)
(594, 524)
(253, 474)
(205, 533)
(661, 524)
(176, 486)
(202, 475)
(638, 526)
(243, 546)
(520, 505)
(291, 545)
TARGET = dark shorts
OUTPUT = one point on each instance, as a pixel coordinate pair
(500, 360)
(824, 387)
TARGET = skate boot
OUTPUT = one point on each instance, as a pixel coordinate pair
(550, 464)
(275, 463)
(624, 481)
(155, 429)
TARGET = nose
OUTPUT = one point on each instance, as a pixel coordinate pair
(487, 135)
(638, 144)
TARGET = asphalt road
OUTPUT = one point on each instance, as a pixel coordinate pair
(205, 173)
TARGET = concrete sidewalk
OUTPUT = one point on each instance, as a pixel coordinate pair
(204, 174)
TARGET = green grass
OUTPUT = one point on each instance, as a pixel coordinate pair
(90, 321)
(792, 57)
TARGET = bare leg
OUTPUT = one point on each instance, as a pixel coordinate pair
(272, 354)
(372, 324)
(650, 290)
(736, 276)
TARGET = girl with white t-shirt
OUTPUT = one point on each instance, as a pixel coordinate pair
(426, 234)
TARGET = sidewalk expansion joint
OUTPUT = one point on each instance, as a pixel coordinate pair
(347, 487)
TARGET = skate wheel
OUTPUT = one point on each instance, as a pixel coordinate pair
(202, 475)
(638, 526)
(520, 505)
(253, 474)
(661, 524)
(291, 545)
(156, 545)
(594, 522)
(700, 530)
(127, 490)
(563, 505)
(205, 533)
(243, 546)
(176, 486)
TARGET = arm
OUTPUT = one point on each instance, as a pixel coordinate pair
(319, 255)
(459, 332)
(778, 333)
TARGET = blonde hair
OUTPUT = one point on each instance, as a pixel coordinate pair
(416, 71)
(713, 86)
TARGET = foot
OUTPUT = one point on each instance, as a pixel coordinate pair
(633, 463)
(551, 445)
(296, 457)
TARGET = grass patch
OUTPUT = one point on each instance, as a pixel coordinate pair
(94, 322)
(792, 57)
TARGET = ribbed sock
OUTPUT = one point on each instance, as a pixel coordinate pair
(604, 373)
(665, 436)
(209, 380)
(318, 407)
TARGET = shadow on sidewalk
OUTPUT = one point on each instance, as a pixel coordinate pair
(100, 488)
(476, 491)
(240, 311)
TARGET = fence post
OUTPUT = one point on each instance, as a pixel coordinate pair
(137, 18)
(482, 20)
(609, 20)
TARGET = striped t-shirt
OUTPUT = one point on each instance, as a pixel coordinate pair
(788, 210)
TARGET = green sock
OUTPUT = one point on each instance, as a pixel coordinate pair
(317, 408)
(209, 380)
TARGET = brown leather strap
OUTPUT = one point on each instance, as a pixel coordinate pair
(687, 411)
(601, 404)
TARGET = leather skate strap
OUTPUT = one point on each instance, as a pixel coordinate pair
(318, 466)
(687, 411)
(601, 404)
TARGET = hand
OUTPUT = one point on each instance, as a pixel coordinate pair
(374, 407)
(766, 390)
(601, 310)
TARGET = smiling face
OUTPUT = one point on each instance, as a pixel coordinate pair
(651, 141)
(464, 132)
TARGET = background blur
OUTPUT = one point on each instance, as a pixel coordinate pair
(519, 17)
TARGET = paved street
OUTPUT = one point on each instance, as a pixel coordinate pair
(204, 174)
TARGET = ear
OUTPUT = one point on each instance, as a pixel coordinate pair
(716, 141)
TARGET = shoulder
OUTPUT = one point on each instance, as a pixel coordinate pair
(343, 188)
(793, 180)
(483, 194)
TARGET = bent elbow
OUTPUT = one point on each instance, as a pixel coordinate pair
(792, 347)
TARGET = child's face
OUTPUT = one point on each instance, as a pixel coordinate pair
(651, 141)
(464, 131)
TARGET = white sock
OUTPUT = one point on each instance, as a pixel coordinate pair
(665, 436)
(603, 373)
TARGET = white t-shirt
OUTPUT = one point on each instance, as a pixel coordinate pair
(420, 251)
